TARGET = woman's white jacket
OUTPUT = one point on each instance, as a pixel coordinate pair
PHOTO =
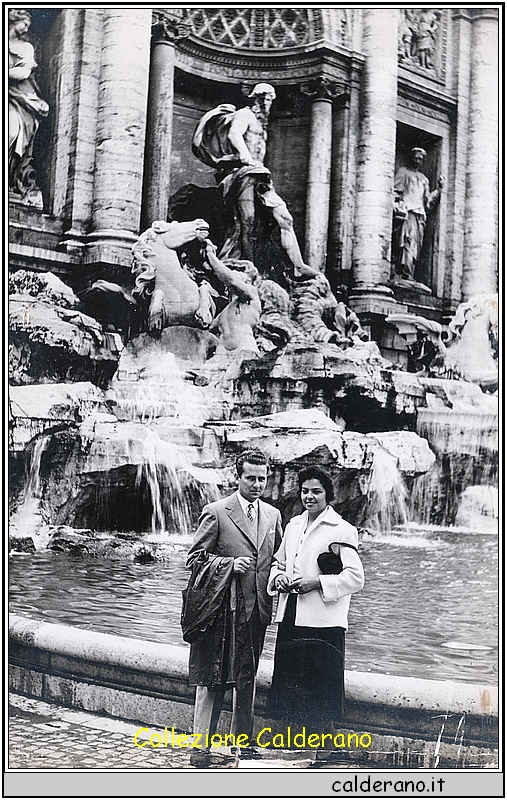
(327, 608)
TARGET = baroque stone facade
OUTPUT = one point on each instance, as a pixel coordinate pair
(357, 89)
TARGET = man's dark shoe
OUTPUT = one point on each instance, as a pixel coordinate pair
(206, 759)
(249, 752)
(200, 759)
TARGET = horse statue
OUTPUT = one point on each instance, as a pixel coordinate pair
(472, 346)
(467, 351)
(173, 294)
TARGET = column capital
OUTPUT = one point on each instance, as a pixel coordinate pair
(166, 29)
(322, 88)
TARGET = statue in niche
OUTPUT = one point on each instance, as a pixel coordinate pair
(170, 291)
(412, 202)
(234, 143)
(26, 109)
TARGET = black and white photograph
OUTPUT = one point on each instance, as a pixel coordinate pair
(253, 367)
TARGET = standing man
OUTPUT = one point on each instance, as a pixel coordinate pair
(248, 530)
(234, 143)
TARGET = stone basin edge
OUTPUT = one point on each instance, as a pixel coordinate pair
(395, 691)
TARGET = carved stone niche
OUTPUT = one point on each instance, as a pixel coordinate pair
(422, 41)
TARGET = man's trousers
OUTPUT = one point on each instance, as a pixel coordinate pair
(208, 700)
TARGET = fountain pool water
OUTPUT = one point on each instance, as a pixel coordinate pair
(162, 440)
(424, 591)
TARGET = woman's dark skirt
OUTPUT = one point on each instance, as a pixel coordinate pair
(308, 678)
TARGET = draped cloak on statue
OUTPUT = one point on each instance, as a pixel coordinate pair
(212, 146)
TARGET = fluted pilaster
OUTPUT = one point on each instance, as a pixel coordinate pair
(166, 32)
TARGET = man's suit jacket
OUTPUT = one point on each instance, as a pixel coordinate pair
(224, 531)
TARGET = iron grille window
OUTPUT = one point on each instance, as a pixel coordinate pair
(256, 28)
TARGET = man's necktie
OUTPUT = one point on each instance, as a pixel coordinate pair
(250, 512)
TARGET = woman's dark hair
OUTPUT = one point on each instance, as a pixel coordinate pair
(315, 473)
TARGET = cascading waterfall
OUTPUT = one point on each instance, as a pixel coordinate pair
(166, 471)
(173, 481)
(387, 493)
(32, 486)
(466, 445)
(162, 391)
(147, 470)
(134, 470)
(27, 518)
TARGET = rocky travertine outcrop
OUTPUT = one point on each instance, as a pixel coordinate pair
(50, 339)
(35, 409)
(353, 383)
(367, 470)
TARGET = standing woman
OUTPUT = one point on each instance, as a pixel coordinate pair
(308, 677)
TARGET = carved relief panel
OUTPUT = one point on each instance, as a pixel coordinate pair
(422, 41)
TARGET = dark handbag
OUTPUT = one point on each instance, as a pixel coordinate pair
(330, 562)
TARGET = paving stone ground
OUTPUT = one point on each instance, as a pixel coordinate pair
(49, 736)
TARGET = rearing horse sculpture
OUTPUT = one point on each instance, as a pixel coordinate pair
(472, 346)
(470, 349)
(174, 296)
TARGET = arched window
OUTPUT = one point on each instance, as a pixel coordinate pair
(255, 28)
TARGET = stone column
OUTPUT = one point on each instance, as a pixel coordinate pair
(343, 184)
(458, 144)
(121, 127)
(481, 210)
(322, 91)
(80, 184)
(166, 33)
(65, 69)
(376, 157)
